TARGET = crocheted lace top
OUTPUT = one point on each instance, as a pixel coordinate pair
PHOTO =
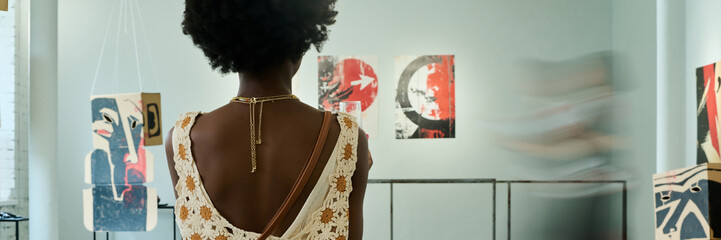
(323, 216)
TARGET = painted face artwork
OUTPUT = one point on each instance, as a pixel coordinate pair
(708, 80)
(425, 97)
(119, 165)
(685, 201)
(350, 78)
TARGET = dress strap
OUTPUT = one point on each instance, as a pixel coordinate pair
(181, 142)
(302, 179)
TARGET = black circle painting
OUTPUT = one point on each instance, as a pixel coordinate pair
(425, 97)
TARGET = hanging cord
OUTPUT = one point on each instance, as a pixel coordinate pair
(128, 9)
(102, 49)
(135, 46)
(125, 16)
(117, 41)
(147, 45)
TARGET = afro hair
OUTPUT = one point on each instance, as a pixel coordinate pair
(254, 35)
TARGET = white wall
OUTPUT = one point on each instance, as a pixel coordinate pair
(488, 37)
(44, 183)
(672, 92)
(702, 48)
(690, 42)
(634, 42)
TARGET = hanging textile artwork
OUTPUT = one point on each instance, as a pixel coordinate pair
(350, 78)
(425, 97)
(119, 166)
(685, 202)
(707, 96)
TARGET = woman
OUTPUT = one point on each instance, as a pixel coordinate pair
(265, 164)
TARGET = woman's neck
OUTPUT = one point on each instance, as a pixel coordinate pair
(276, 81)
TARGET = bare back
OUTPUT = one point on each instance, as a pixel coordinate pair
(221, 149)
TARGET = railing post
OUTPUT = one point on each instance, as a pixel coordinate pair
(391, 210)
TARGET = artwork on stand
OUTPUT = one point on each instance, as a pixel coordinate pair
(425, 97)
(350, 78)
(707, 95)
(686, 202)
(123, 125)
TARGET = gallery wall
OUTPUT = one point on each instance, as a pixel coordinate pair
(635, 43)
(701, 48)
(489, 38)
(673, 145)
(686, 42)
(42, 31)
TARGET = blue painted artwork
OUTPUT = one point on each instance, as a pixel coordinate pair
(119, 165)
(686, 203)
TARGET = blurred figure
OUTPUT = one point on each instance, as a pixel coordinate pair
(565, 134)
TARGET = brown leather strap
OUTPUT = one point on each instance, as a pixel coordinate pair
(302, 179)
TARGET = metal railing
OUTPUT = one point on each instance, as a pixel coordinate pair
(494, 183)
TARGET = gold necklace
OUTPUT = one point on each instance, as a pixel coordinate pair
(252, 101)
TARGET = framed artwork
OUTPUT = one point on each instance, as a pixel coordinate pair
(350, 78)
(425, 97)
(707, 95)
(122, 126)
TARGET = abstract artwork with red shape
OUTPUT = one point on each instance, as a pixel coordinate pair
(350, 78)
(707, 95)
(119, 164)
(425, 97)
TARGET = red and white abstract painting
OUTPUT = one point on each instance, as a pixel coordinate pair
(707, 95)
(425, 97)
(350, 78)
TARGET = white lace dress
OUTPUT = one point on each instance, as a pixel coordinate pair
(323, 216)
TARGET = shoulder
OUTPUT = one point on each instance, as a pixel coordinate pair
(169, 141)
(182, 123)
(363, 152)
(186, 119)
(169, 150)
